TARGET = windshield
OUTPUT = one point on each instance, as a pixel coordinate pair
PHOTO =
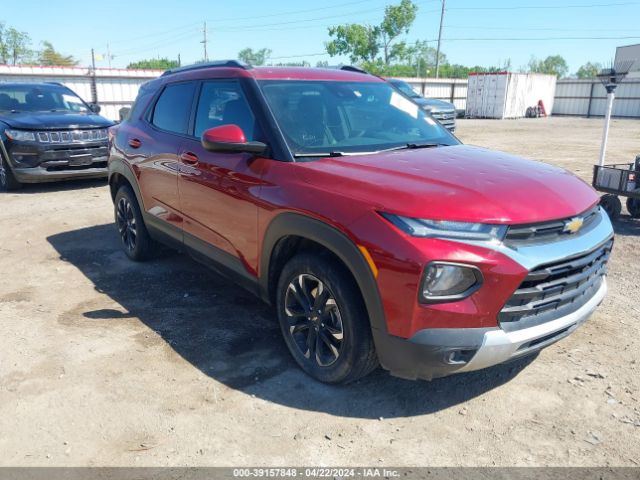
(405, 88)
(39, 98)
(321, 117)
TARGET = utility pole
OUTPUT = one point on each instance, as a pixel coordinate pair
(179, 61)
(439, 39)
(204, 41)
(94, 89)
(109, 55)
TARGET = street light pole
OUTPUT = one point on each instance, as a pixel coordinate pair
(611, 78)
(611, 95)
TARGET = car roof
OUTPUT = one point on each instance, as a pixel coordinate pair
(232, 68)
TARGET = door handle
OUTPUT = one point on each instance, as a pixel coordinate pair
(135, 143)
(189, 158)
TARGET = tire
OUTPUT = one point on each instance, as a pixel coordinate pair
(633, 206)
(337, 326)
(612, 205)
(133, 234)
(8, 181)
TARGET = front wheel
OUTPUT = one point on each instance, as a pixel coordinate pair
(324, 320)
(134, 238)
(7, 178)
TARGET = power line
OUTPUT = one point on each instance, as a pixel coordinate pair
(257, 25)
(547, 7)
(537, 29)
(295, 12)
(480, 39)
(516, 39)
(164, 42)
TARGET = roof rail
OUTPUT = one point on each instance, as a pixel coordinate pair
(351, 68)
(214, 64)
(54, 83)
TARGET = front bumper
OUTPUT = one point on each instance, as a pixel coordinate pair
(439, 352)
(32, 163)
(471, 334)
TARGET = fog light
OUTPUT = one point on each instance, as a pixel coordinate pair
(443, 282)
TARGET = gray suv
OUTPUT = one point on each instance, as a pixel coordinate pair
(444, 112)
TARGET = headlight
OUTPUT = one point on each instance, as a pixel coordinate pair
(20, 135)
(445, 282)
(420, 227)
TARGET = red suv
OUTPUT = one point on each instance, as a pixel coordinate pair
(377, 235)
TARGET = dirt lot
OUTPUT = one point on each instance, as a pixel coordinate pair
(107, 362)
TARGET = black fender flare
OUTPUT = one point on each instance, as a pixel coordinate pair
(286, 224)
(119, 167)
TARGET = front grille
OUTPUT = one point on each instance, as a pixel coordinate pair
(445, 117)
(555, 290)
(73, 136)
(542, 232)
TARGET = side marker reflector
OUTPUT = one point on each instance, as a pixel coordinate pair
(369, 260)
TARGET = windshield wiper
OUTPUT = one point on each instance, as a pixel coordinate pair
(321, 154)
(414, 146)
(406, 146)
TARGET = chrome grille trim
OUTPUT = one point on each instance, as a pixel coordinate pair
(555, 290)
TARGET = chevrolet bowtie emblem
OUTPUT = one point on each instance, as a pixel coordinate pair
(573, 225)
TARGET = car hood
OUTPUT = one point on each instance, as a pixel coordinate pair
(434, 104)
(54, 120)
(461, 182)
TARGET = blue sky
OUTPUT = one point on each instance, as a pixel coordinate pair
(297, 30)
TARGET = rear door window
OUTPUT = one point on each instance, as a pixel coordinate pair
(173, 108)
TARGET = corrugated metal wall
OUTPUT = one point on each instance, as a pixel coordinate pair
(588, 98)
(452, 90)
(115, 88)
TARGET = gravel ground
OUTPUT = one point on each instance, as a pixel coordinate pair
(107, 362)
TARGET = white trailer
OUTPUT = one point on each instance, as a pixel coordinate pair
(507, 94)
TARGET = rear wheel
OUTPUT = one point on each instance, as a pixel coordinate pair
(612, 205)
(134, 238)
(633, 206)
(324, 320)
(7, 179)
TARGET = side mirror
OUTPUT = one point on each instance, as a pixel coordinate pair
(94, 107)
(123, 113)
(230, 139)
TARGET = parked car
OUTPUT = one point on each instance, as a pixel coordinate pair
(442, 111)
(377, 235)
(48, 133)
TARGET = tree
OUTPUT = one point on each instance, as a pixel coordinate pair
(423, 58)
(363, 43)
(257, 57)
(154, 64)
(552, 65)
(589, 70)
(14, 46)
(50, 57)
(397, 20)
(360, 42)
